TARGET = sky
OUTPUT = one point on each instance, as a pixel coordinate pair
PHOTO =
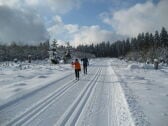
(79, 21)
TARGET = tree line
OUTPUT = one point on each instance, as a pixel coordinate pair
(21, 52)
(146, 46)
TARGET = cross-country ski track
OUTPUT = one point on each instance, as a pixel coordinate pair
(96, 99)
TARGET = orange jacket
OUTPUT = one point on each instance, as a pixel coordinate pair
(77, 65)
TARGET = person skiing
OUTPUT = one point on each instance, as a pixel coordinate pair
(77, 66)
(85, 64)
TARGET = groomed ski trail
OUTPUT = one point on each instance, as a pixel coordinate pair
(41, 105)
(70, 117)
(96, 99)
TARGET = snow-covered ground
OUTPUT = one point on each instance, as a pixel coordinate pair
(17, 79)
(146, 91)
(113, 93)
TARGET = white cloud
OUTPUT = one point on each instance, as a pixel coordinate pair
(57, 19)
(80, 34)
(94, 34)
(63, 6)
(71, 28)
(23, 26)
(62, 32)
(32, 2)
(57, 30)
(146, 17)
(9, 2)
(20, 20)
(54, 6)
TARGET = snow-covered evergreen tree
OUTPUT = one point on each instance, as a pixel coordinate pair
(53, 54)
(164, 37)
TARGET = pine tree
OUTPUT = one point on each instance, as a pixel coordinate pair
(151, 40)
(54, 45)
(147, 41)
(156, 40)
(164, 37)
(127, 45)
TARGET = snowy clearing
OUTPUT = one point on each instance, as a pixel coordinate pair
(113, 93)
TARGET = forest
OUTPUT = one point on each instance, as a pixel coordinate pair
(21, 52)
(146, 46)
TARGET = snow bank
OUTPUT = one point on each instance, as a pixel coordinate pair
(147, 66)
(141, 66)
(123, 114)
(145, 90)
(17, 79)
(133, 66)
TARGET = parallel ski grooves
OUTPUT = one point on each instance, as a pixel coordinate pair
(41, 105)
(15, 101)
(70, 117)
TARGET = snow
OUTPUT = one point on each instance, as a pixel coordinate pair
(133, 66)
(114, 93)
(19, 79)
(141, 66)
(146, 92)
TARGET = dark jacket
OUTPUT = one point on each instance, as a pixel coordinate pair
(85, 62)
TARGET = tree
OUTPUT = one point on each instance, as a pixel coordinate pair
(147, 41)
(144, 46)
(127, 45)
(164, 38)
(54, 45)
(156, 40)
(151, 40)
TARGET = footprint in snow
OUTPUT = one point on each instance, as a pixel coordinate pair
(17, 89)
(21, 76)
(148, 89)
(138, 78)
(165, 114)
(150, 103)
(160, 86)
(42, 76)
(21, 84)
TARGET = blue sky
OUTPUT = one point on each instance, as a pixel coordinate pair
(79, 21)
(88, 13)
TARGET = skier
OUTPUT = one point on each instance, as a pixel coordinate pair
(77, 66)
(85, 64)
